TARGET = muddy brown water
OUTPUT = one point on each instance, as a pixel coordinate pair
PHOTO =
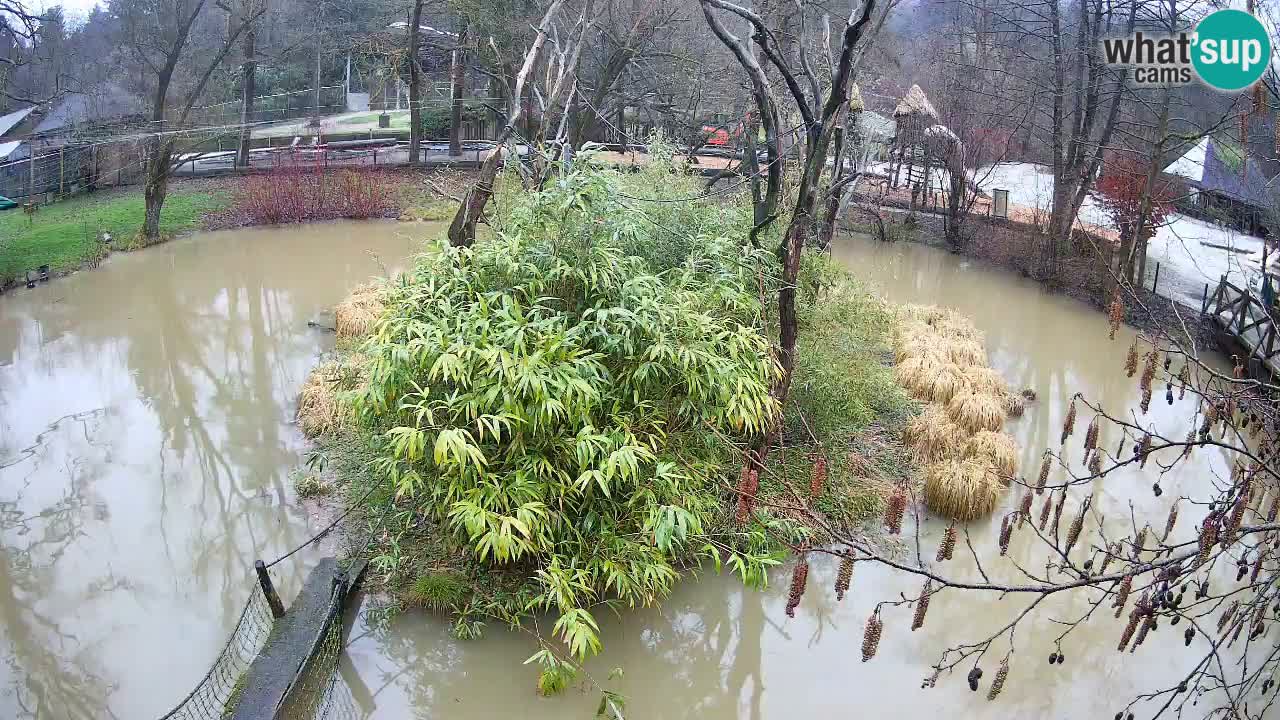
(146, 445)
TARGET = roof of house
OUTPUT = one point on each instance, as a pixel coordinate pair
(915, 103)
(1249, 186)
(1190, 165)
(8, 148)
(1205, 167)
(104, 104)
(8, 122)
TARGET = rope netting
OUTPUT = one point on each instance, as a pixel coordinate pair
(214, 696)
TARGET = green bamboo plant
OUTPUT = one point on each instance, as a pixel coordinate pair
(567, 409)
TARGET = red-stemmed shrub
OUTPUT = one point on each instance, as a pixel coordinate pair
(301, 189)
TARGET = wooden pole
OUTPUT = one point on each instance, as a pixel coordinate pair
(1156, 281)
(62, 171)
(269, 589)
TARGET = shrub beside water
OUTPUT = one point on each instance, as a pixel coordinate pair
(553, 419)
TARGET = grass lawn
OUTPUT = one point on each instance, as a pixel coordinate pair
(62, 235)
(399, 118)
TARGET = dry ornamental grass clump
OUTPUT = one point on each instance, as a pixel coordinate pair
(941, 362)
(355, 316)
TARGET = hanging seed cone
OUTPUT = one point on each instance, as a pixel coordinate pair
(1226, 616)
(1208, 538)
(948, 545)
(1131, 361)
(1006, 533)
(1073, 532)
(997, 683)
(1044, 475)
(1122, 594)
(1091, 436)
(1044, 512)
(1112, 550)
(1173, 519)
(1115, 313)
(894, 510)
(1057, 512)
(799, 578)
(1129, 628)
(871, 636)
(1069, 424)
(844, 578)
(1149, 371)
(1024, 508)
(922, 606)
(1142, 449)
(1095, 463)
(1142, 634)
(818, 478)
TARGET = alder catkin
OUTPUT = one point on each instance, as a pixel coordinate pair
(997, 683)
(1274, 510)
(1149, 371)
(922, 606)
(1044, 512)
(1173, 519)
(1006, 533)
(1057, 512)
(1128, 630)
(1257, 568)
(948, 545)
(1095, 463)
(1091, 436)
(799, 578)
(1142, 634)
(1143, 449)
(871, 636)
(1182, 377)
(894, 510)
(1131, 360)
(747, 488)
(1069, 423)
(818, 478)
(1073, 532)
(1208, 537)
(1024, 508)
(1189, 443)
(1044, 475)
(1122, 594)
(844, 577)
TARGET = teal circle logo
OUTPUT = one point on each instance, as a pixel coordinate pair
(1232, 50)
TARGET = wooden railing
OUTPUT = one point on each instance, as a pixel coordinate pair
(1244, 316)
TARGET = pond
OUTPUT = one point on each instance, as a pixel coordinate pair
(146, 445)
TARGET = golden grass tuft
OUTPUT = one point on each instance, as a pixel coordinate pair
(932, 435)
(355, 316)
(320, 409)
(962, 489)
(976, 411)
(942, 385)
(996, 448)
(985, 380)
(941, 361)
(1014, 405)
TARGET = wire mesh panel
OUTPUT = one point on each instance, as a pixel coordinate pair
(215, 696)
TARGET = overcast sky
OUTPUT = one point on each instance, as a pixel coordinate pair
(77, 8)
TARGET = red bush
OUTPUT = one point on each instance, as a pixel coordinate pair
(1121, 187)
(300, 189)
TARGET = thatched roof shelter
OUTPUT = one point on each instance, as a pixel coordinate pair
(915, 105)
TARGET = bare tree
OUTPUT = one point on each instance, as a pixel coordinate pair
(157, 35)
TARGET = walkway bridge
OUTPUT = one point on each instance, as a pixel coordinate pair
(1245, 323)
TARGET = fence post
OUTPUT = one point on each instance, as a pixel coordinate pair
(269, 589)
(1204, 300)
(1156, 281)
(62, 171)
(31, 175)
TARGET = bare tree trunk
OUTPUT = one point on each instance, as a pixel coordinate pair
(457, 87)
(415, 85)
(248, 81)
(462, 231)
(157, 186)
